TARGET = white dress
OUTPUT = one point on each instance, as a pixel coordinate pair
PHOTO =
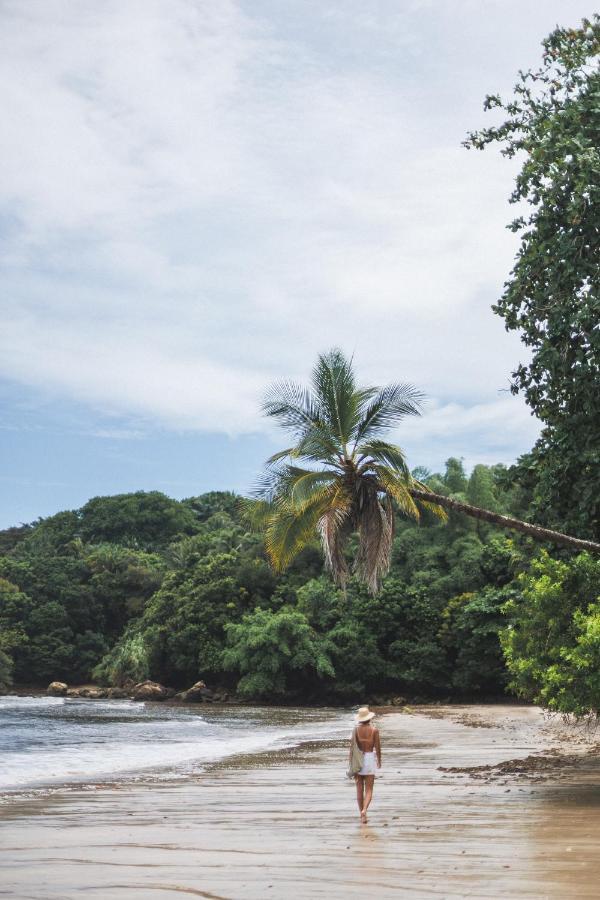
(369, 766)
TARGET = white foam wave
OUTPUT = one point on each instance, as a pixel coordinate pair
(106, 704)
(76, 763)
(104, 754)
(12, 701)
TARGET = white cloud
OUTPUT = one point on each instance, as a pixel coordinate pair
(198, 197)
(483, 433)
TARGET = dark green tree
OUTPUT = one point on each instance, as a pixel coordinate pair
(472, 624)
(552, 298)
(145, 519)
(6, 671)
(455, 479)
(277, 653)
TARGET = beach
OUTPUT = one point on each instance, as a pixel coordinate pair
(284, 823)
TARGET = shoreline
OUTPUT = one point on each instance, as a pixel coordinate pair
(105, 757)
(383, 702)
(284, 823)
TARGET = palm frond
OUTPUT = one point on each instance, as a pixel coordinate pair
(291, 405)
(389, 406)
(290, 528)
(383, 452)
(335, 527)
(315, 443)
(270, 484)
(334, 387)
(375, 538)
(306, 484)
(319, 445)
(281, 454)
(438, 511)
(255, 513)
(399, 489)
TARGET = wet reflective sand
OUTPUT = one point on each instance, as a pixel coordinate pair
(286, 826)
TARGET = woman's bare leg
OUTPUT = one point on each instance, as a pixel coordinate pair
(369, 782)
(360, 792)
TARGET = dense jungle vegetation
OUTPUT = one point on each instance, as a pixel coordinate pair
(141, 585)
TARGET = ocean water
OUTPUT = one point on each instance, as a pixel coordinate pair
(48, 741)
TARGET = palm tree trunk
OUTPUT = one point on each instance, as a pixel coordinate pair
(534, 531)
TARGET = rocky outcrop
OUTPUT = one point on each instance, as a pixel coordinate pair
(398, 701)
(117, 693)
(88, 692)
(199, 693)
(145, 690)
(93, 693)
(151, 690)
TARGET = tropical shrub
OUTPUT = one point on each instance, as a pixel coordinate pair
(129, 659)
(552, 644)
(6, 669)
(276, 653)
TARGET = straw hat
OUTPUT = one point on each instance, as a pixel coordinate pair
(364, 715)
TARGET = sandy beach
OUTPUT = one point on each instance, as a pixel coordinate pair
(285, 825)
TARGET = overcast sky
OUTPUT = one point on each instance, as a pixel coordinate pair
(198, 196)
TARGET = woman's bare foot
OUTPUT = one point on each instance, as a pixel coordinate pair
(363, 816)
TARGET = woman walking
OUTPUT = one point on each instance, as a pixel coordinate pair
(367, 740)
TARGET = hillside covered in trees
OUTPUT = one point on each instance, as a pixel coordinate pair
(140, 585)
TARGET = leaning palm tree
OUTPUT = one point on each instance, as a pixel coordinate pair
(341, 477)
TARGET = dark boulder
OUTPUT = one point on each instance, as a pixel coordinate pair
(221, 696)
(117, 693)
(198, 693)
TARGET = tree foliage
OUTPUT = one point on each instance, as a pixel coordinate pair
(6, 667)
(552, 643)
(552, 297)
(208, 605)
(277, 653)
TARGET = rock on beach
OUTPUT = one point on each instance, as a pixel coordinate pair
(151, 690)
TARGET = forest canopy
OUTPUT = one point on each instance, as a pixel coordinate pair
(182, 590)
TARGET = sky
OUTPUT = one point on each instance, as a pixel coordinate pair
(199, 196)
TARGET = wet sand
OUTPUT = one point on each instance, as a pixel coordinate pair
(285, 825)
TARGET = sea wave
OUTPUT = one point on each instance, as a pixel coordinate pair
(72, 763)
(114, 705)
(48, 741)
(12, 701)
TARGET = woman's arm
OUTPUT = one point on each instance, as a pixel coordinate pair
(377, 744)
